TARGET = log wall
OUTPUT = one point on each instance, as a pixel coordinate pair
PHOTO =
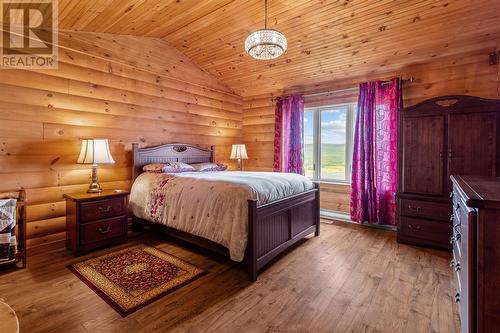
(127, 89)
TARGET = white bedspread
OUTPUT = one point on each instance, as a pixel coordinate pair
(212, 205)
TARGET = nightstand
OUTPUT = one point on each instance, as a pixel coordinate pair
(95, 219)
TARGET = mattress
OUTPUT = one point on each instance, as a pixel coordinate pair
(213, 205)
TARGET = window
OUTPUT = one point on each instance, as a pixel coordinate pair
(328, 142)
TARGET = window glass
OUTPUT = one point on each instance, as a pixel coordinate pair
(333, 144)
(328, 142)
(309, 143)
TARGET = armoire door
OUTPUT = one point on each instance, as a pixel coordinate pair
(422, 155)
(472, 144)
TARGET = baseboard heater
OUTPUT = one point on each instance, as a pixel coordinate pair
(345, 217)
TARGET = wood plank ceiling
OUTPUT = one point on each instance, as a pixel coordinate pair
(328, 40)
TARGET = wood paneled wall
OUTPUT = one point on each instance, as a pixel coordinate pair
(468, 74)
(127, 89)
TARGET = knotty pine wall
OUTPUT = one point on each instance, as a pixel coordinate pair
(127, 89)
(468, 74)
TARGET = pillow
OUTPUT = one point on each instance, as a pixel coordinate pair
(168, 167)
(209, 166)
(177, 167)
(153, 167)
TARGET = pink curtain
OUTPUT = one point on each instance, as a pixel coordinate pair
(375, 156)
(288, 148)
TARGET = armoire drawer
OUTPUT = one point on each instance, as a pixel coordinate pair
(425, 232)
(425, 209)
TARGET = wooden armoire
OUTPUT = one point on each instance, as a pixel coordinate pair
(440, 137)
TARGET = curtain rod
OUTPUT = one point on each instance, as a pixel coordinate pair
(404, 81)
(331, 92)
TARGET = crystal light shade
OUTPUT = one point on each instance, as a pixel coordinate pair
(266, 44)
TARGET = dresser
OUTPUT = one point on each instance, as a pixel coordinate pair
(476, 251)
(95, 219)
(438, 138)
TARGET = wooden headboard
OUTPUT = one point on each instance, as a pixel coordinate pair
(170, 152)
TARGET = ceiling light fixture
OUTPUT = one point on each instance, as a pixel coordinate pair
(266, 43)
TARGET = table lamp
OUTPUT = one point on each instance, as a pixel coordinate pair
(239, 152)
(95, 151)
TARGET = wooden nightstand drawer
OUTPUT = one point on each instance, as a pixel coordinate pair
(96, 210)
(97, 231)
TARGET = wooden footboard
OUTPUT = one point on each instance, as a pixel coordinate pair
(274, 227)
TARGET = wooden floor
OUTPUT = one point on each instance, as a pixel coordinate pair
(350, 279)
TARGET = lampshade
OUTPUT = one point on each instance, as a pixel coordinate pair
(95, 151)
(239, 151)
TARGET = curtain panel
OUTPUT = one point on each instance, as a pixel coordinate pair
(288, 134)
(375, 156)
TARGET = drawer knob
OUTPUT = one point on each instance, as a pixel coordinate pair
(457, 267)
(414, 227)
(417, 209)
(104, 230)
(452, 263)
(457, 297)
(106, 209)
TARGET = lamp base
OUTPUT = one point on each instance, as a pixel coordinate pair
(94, 186)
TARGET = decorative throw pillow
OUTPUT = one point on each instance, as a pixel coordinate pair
(168, 167)
(173, 167)
(154, 167)
(209, 166)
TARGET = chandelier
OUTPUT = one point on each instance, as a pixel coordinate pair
(266, 43)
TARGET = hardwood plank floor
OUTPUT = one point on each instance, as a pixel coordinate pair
(350, 279)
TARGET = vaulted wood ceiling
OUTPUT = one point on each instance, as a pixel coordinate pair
(328, 40)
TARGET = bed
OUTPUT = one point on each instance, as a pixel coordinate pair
(271, 223)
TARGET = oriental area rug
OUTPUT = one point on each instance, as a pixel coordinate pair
(131, 278)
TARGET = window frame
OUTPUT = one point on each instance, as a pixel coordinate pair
(350, 123)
